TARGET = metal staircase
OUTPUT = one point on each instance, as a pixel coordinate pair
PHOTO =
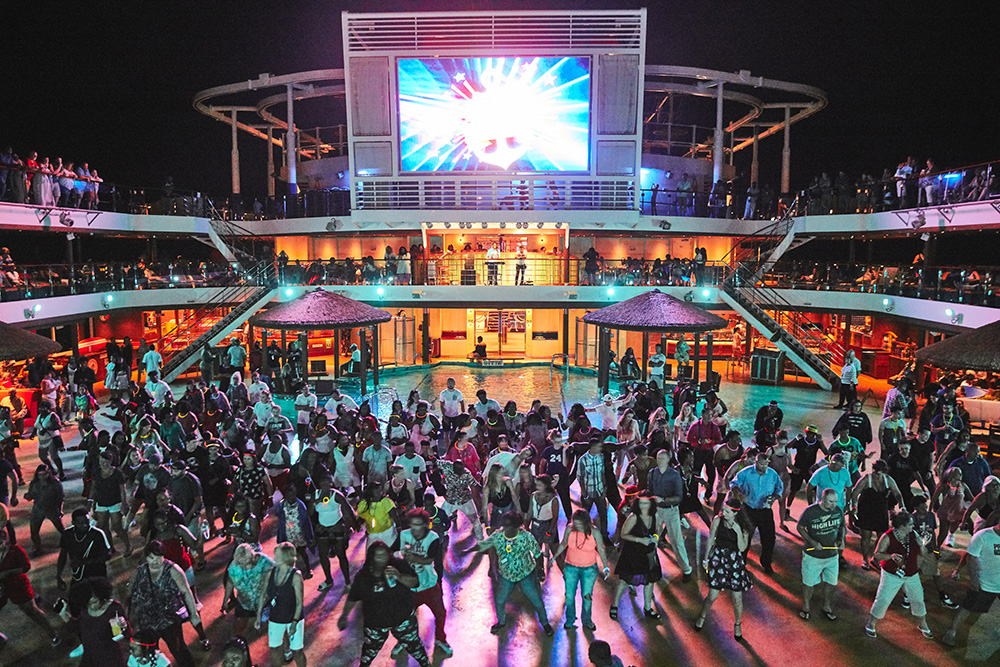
(768, 312)
(182, 346)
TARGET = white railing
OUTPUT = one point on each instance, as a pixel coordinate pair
(497, 194)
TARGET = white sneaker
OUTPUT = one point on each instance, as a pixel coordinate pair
(950, 540)
(398, 650)
(445, 647)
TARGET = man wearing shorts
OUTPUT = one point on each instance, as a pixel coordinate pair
(823, 531)
(984, 578)
(452, 405)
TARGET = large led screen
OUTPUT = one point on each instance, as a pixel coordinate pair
(494, 114)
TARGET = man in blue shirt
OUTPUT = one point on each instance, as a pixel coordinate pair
(831, 476)
(974, 468)
(758, 487)
(666, 486)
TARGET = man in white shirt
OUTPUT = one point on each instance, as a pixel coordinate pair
(608, 411)
(305, 405)
(510, 460)
(152, 360)
(657, 366)
(452, 405)
(237, 355)
(256, 388)
(414, 466)
(336, 398)
(484, 404)
(159, 389)
(261, 413)
(984, 578)
(849, 379)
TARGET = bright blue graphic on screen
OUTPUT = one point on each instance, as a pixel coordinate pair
(494, 114)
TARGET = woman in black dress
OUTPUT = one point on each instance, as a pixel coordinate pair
(639, 562)
(725, 565)
(870, 508)
(689, 497)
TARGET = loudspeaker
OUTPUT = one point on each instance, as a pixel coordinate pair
(317, 366)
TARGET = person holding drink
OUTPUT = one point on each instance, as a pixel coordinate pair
(898, 551)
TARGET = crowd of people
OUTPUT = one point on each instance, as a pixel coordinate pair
(48, 182)
(596, 493)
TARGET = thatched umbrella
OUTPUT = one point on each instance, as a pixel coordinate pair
(19, 344)
(978, 350)
(322, 309)
(651, 312)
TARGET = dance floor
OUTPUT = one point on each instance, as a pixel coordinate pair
(774, 633)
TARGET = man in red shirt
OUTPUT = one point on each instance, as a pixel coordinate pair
(703, 437)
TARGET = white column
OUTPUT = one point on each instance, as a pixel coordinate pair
(235, 156)
(786, 152)
(290, 159)
(719, 149)
(754, 164)
(270, 162)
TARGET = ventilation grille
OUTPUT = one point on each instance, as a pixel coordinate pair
(470, 31)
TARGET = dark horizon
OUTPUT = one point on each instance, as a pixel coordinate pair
(114, 87)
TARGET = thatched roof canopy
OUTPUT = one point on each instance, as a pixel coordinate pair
(320, 309)
(19, 344)
(978, 350)
(655, 312)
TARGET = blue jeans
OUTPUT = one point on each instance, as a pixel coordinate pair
(529, 587)
(585, 577)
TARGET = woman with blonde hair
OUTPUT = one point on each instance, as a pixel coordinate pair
(280, 606)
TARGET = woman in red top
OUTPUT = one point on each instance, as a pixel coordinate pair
(15, 587)
(898, 551)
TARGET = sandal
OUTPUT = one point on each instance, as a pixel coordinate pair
(613, 612)
(926, 632)
(870, 632)
(738, 631)
(803, 614)
(325, 586)
(830, 616)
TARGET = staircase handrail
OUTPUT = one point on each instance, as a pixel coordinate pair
(260, 275)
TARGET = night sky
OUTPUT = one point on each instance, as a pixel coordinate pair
(112, 83)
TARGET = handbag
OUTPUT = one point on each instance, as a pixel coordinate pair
(265, 613)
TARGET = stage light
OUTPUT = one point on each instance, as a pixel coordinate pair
(558, 225)
(541, 224)
(689, 297)
(949, 312)
(706, 293)
(289, 291)
(611, 291)
(380, 291)
(484, 225)
(109, 298)
(503, 225)
(447, 225)
(888, 305)
(28, 313)
(37, 307)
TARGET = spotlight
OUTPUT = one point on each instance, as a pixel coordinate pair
(503, 225)
(109, 298)
(949, 312)
(689, 297)
(430, 225)
(28, 313)
(37, 307)
(380, 291)
(540, 225)
(447, 225)
(706, 293)
(558, 225)
(484, 225)
(611, 291)
(289, 291)
(888, 305)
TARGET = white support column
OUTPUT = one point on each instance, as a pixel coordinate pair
(270, 162)
(235, 155)
(786, 152)
(291, 156)
(718, 148)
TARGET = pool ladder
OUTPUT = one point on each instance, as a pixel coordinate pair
(552, 365)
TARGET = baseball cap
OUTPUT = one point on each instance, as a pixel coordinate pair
(812, 429)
